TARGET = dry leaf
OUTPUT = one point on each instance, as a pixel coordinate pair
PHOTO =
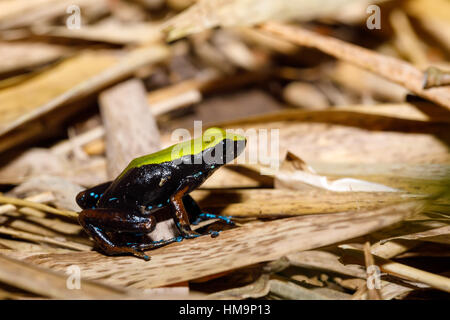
(294, 172)
(238, 247)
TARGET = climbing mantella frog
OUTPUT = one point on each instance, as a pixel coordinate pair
(119, 214)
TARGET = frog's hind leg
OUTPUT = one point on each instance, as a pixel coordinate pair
(88, 198)
(96, 222)
(196, 215)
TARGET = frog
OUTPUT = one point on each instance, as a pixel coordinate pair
(119, 214)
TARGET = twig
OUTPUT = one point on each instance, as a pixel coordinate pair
(49, 240)
(393, 69)
(80, 140)
(38, 206)
(40, 198)
(407, 41)
(373, 293)
(404, 271)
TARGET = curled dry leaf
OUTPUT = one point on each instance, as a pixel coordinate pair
(295, 171)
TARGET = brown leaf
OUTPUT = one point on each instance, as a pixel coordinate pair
(232, 249)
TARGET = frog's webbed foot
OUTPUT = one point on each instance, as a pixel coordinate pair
(208, 216)
(190, 234)
(96, 222)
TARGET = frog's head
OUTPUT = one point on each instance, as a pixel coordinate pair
(216, 147)
(220, 146)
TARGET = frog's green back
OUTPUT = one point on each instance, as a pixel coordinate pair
(210, 138)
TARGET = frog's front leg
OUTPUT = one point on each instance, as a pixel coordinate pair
(97, 222)
(180, 215)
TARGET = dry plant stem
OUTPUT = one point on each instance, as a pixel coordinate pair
(7, 208)
(37, 238)
(38, 206)
(373, 293)
(280, 203)
(32, 212)
(390, 68)
(183, 99)
(404, 271)
(268, 41)
(41, 197)
(407, 40)
(234, 248)
(51, 284)
(392, 248)
(68, 145)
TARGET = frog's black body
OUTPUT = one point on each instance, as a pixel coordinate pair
(118, 213)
